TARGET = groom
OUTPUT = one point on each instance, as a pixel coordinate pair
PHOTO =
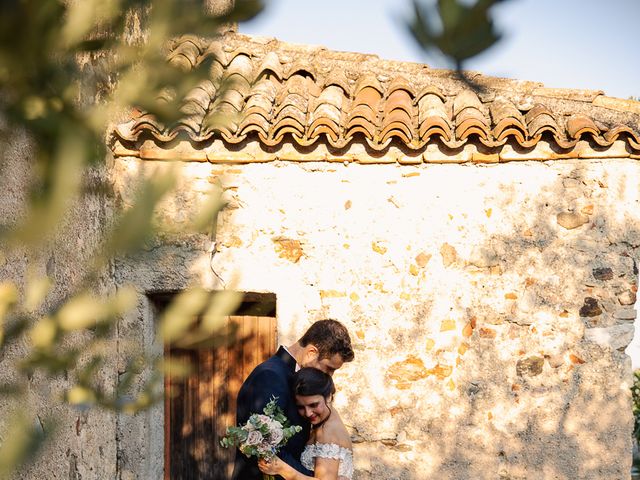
(326, 345)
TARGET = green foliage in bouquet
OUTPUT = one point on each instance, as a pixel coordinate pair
(264, 434)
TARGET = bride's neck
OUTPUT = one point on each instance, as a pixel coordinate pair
(322, 422)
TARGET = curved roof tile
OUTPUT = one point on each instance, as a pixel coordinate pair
(433, 118)
(185, 54)
(326, 116)
(271, 64)
(337, 79)
(400, 83)
(539, 120)
(275, 90)
(507, 120)
(301, 67)
(367, 80)
(578, 125)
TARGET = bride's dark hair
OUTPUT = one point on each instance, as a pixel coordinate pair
(311, 381)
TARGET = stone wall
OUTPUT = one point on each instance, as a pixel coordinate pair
(489, 304)
(84, 443)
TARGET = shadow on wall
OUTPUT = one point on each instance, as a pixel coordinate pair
(540, 388)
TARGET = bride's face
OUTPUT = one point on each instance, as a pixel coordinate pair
(313, 407)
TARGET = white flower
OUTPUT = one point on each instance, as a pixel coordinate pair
(263, 419)
(275, 432)
(254, 438)
(274, 424)
(250, 437)
(275, 437)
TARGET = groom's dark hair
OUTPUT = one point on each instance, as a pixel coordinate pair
(329, 337)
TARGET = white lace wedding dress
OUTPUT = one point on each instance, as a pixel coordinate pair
(329, 450)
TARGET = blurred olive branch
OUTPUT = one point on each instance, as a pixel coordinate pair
(459, 30)
(68, 69)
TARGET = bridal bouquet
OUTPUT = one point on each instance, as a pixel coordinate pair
(263, 435)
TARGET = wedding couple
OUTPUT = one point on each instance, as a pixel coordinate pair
(300, 377)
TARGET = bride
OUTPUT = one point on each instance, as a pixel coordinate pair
(328, 452)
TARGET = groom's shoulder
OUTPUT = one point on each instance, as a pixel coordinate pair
(269, 374)
(272, 364)
(277, 361)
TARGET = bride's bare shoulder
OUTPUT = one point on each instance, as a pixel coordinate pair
(334, 431)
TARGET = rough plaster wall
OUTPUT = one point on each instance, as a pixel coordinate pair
(488, 336)
(140, 438)
(84, 446)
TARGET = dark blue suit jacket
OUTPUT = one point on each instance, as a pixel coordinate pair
(271, 378)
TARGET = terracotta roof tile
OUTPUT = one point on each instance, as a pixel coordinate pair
(578, 125)
(197, 101)
(539, 120)
(363, 114)
(271, 64)
(507, 121)
(397, 117)
(433, 118)
(272, 91)
(399, 100)
(367, 80)
(469, 115)
(185, 54)
(326, 116)
(262, 98)
(216, 51)
(301, 67)
(400, 83)
(337, 79)
(625, 132)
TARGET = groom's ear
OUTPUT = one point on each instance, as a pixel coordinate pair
(312, 353)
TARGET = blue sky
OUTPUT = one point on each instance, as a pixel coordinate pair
(590, 44)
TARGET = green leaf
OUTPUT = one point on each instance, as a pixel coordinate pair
(466, 30)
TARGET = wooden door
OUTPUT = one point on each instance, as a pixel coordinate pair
(199, 408)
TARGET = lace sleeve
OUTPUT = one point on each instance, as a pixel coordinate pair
(333, 451)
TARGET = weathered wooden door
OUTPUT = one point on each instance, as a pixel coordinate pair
(200, 407)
